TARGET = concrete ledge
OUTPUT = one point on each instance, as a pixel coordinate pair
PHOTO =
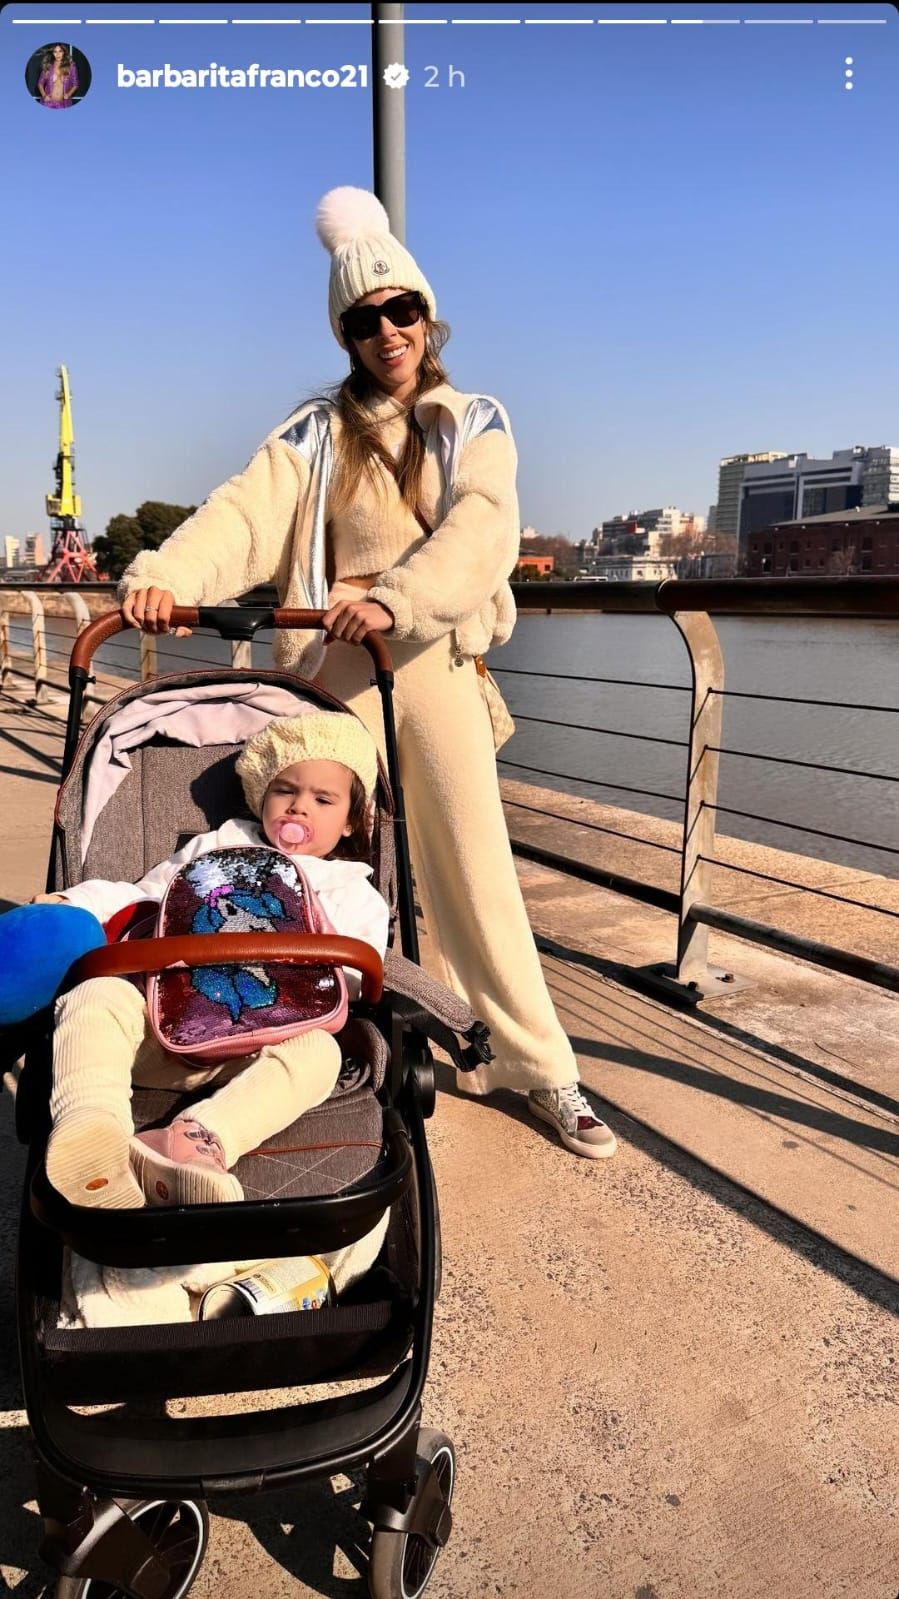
(836, 1023)
(648, 848)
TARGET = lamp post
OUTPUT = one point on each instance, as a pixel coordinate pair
(389, 112)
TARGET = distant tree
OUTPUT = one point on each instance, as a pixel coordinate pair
(843, 563)
(126, 536)
(695, 543)
(687, 549)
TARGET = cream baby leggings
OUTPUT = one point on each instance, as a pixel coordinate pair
(461, 856)
(102, 1043)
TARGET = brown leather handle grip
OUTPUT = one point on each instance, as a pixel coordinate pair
(112, 622)
(233, 949)
(374, 643)
(95, 634)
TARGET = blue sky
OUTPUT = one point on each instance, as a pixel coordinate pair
(658, 244)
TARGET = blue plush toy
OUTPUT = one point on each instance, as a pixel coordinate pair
(38, 944)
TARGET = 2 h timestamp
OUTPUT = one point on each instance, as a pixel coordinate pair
(454, 78)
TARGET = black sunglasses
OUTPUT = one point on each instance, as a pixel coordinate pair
(364, 321)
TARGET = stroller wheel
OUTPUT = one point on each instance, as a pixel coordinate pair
(438, 1265)
(402, 1563)
(179, 1528)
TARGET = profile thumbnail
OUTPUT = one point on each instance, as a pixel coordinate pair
(58, 76)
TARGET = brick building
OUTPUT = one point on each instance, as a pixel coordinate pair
(846, 543)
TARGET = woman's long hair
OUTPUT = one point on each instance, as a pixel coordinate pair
(47, 59)
(360, 432)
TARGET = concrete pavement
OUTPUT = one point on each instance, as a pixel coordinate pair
(660, 1383)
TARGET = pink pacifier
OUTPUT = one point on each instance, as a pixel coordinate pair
(292, 833)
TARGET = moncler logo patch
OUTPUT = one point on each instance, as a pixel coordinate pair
(380, 266)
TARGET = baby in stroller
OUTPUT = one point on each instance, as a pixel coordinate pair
(310, 781)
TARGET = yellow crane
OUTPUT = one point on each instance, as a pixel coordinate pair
(70, 559)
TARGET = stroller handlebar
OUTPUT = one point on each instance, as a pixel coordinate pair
(229, 621)
(232, 949)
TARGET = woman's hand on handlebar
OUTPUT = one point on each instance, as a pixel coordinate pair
(150, 610)
(352, 620)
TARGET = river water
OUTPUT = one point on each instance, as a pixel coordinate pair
(854, 663)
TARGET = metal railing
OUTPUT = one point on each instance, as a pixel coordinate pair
(690, 605)
(134, 656)
(30, 603)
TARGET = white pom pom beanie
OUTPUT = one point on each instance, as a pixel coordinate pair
(354, 226)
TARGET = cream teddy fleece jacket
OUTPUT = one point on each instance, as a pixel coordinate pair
(259, 527)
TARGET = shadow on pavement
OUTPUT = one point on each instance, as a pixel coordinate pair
(810, 1246)
(726, 1029)
(304, 1529)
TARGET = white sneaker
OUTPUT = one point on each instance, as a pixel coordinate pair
(574, 1119)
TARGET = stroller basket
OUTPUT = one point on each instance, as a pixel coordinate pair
(103, 1366)
(365, 1334)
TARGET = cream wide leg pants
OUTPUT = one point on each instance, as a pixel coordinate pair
(461, 855)
(103, 1042)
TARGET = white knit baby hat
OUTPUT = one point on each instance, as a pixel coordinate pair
(315, 736)
(354, 226)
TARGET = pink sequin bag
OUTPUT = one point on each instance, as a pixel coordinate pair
(216, 1013)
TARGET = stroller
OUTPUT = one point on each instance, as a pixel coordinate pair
(123, 1496)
